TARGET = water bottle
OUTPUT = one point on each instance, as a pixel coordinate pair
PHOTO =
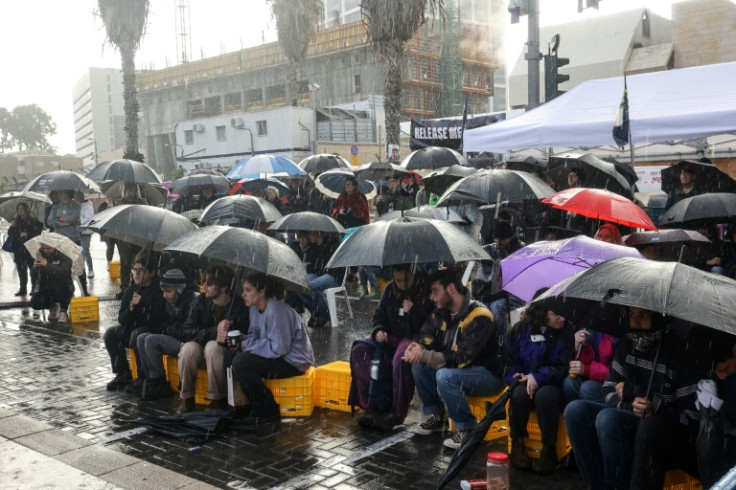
(497, 471)
(375, 367)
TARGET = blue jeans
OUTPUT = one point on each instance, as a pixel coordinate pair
(369, 275)
(582, 389)
(502, 307)
(317, 304)
(84, 239)
(454, 385)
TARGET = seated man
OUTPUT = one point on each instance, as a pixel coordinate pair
(55, 286)
(631, 440)
(402, 311)
(320, 250)
(217, 307)
(142, 310)
(459, 353)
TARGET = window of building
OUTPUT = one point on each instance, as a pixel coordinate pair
(188, 137)
(220, 133)
(358, 84)
(262, 128)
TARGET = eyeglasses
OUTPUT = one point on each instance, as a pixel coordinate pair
(138, 270)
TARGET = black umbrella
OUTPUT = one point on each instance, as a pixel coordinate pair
(716, 207)
(481, 161)
(670, 288)
(244, 250)
(206, 171)
(145, 226)
(61, 180)
(491, 186)
(322, 162)
(195, 182)
(124, 170)
(626, 170)
(332, 183)
(426, 212)
(380, 171)
(242, 208)
(709, 178)
(257, 186)
(154, 194)
(36, 202)
(438, 181)
(195, 427)
(599, 174)
(432, 158)
(307, 221)
(526, 164)
(669, 243)
(494, 411)
(406, 241)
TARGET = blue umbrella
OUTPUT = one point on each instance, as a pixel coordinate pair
(264, 164)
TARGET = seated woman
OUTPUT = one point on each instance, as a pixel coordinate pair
(276, 345)
(180, 295)
(538, 350)
(54, 284)
(589, 369)
(401, 312)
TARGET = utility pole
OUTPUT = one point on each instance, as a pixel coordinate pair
(532, 55)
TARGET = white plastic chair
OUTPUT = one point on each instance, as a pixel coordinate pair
(331, 298)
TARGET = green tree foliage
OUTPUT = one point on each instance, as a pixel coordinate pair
(296, 23)
(6, 129)
(27, 127)
(125, 24)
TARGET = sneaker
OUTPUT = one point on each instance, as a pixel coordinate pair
(156, 388)
(454, 441)
(120, 381)
(136, 387)
(63, 317)
(91, 275)
(434, 423)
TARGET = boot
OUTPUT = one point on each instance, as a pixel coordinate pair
(519, 458)
(155, 388)
(22, 292)
(186, 405)
(265, 412)
(547, 461)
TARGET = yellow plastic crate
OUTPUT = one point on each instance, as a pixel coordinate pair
(533, 443)
(131, 362)
(201, 385)
(382, 283)
(115, 270)
(85, 309)
(499, 428)
(679, 480)
(294, 395)
(332, 385)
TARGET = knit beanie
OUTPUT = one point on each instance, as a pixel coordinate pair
(174, 279)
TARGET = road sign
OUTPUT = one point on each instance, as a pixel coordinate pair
(354, 150)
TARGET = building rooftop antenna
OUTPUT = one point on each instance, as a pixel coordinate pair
(183, 32)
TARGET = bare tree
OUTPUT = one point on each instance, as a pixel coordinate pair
(390, 24)
(296, 24)
(125, 24)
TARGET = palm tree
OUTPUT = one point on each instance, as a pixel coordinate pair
(390, 24)
(125, 23)
(296, 23)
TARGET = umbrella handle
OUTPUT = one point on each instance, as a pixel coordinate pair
(654, 370)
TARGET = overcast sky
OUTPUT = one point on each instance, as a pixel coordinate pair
(46, 45)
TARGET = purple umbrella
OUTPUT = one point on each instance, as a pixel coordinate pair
(544, 264)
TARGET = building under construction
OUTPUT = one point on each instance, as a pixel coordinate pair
(445, 61)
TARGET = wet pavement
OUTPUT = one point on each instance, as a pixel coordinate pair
(56, 374)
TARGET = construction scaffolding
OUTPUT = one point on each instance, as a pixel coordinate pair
(450, 101)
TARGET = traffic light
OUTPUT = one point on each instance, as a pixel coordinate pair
(552, 77)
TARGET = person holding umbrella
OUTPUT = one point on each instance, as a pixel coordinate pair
(351, 206)
(688, 187)
(23, 227)
(86, 211)
(54, 283)
(590, 367)
(631, 440)
(65, 218)
(272, 196)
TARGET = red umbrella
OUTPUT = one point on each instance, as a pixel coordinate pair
(601, 204)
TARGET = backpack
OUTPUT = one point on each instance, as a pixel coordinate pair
(380, 389)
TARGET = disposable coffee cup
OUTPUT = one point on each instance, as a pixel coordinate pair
(233, 339)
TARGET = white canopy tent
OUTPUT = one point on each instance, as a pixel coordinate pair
(664, 107)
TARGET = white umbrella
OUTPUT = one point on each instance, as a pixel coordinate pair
(61, 243)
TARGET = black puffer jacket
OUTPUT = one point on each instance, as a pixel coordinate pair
(31, 227)
(386, 317)
(150, 311)
(201, 326)
(179, 312)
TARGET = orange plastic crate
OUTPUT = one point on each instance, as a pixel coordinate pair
(332, 385)
(533, 443)
(115, 270)
(679, 480)
(85, 309)
(294, 395)
(201, 386)
(131, 362)
(499, 428)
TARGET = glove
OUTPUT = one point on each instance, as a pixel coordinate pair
(708, 395)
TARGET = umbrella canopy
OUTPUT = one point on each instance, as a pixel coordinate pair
(716, 207)
(322, 162)
(601, 204)
(669, 243)
(240, 207)
(186, 184)
(126, 171)
(544, 264)
(145, 226)
(332, 183)
(709, 178)
(652, 199)
(526, 164)
(669, 288)
(205, 171)
(244, 250)
(257, 186)
(36, 202)
(61, 243)
(627, 171)
(307, 221)
(61, 180)
(432, 158)
(438, 181)
(406, 241)
(380, 171)
(264, 164)
(426, 212)
(599, 174)
(154, 194)
(491, 186)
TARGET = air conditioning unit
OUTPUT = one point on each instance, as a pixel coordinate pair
(237, 122)
(198, 128)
